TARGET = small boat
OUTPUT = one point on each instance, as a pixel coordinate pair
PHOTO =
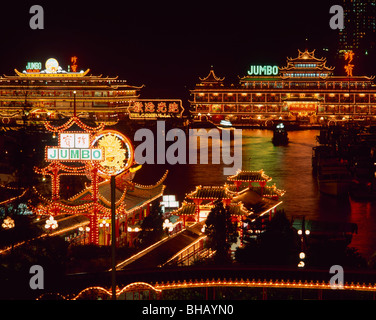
(225, 125)
(280, 136)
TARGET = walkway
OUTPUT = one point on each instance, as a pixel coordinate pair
(162, 251)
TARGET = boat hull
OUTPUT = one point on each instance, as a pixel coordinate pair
(334, 187)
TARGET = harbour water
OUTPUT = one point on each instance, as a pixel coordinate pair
(291, 170)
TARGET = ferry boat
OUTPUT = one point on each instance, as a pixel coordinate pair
(280, 136)
(225, 125)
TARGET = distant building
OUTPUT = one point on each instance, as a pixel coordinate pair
(305, 88)
(36, 94)
(359, 31)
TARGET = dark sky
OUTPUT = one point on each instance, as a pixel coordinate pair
(165, 45)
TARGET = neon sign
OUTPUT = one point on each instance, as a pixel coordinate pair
(349, 55)
(34, 67)
(74, 147)
(52, 65)
(118, 152)
(152, 109)
(74, 64)
(263, 70)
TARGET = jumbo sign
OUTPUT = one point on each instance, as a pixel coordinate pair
(74, 147)
(263, 70)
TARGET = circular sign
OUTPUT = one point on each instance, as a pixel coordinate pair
(52, 65)
(118, 152)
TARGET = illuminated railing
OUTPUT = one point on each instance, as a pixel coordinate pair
(158, 288)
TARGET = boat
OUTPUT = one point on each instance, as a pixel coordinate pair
(280, 136)
(225, 125)
(334, 180)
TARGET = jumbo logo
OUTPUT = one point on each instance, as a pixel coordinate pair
(263, 70)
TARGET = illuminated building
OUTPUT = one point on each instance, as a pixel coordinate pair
(247, 196)
(75, 156)
(305, 88)
(39, 94)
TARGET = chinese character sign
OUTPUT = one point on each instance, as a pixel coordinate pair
(349, 56)
(81, 140)
(154, 109)
(74, 140)
(74, 64)
(67, 140)
(74, 147)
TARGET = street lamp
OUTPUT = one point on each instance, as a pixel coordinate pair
(74, 103)
(113, 231)
(8, 223)
(51, 223)
(168, 224)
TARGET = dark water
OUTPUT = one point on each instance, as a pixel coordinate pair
(291, 170)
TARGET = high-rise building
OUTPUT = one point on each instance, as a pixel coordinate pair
(359, 30)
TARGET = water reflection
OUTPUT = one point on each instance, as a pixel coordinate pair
(291, 170)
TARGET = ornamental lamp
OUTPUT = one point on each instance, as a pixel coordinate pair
(8, 223)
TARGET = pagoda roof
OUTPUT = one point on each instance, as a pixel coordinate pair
(52, 75)
(250, 176)
(209, 193)
(83, 79)
(269, 191)
(211, 77)
(187, 208)
(256, 203)
(237, 209)
(307, 56)
(133, 196)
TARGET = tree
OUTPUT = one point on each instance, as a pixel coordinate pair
(152, 226)
(277, 245)
(221, 231)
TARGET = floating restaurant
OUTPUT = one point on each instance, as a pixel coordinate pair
(306, 89)
(36, 94)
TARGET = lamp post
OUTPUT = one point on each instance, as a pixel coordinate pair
(51, 223)
(113, 238)
(113, 230)
(8, 223)
(74, 103)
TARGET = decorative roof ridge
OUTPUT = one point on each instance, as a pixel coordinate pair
(306, 55)
(53, 75)
(211, 77)
(108, 202)
(81, 193)
(152, 186)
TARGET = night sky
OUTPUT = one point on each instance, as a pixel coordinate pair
(164, 45)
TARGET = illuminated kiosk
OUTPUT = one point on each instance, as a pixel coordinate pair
(245, 200)
(97, 154)
(305, 88)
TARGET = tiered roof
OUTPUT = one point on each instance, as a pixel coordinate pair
(248, 201)
(132, 197)
(210, 193)
(306, 63)
(250, 176)
(211, 79)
